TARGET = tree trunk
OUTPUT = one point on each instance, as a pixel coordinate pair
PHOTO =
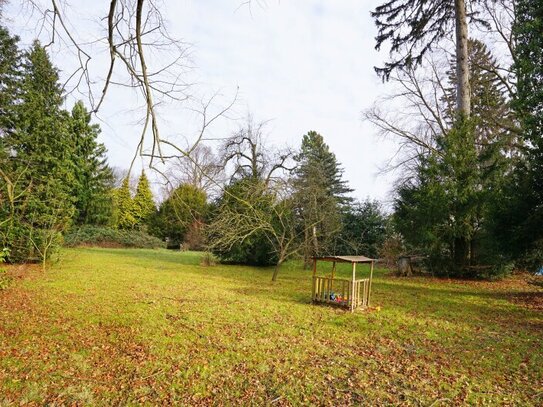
(463, 97)
(315, 241)
(276, 270)
(461, 250)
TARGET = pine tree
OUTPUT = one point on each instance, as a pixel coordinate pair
(10, 71)
(93, 177)
(523, 216)
(124, 207)
(321, 193)
(144, 205)
(10, 188)
(414, 27)
(40, 149)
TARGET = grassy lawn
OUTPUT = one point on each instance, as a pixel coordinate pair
(115, 326)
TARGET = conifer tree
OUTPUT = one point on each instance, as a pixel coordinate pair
(10, 71)
(320, 194)
(40, 152)
(523, 215)
(414, 27)
(124, 206)
(93, 177)
(144, 205)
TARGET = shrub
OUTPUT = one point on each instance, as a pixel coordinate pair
(5, 279)
(533, 259)
(108, 237)
(208, 259)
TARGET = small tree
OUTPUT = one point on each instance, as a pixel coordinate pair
(180, 217)
(236, 233)
(257, 226)
(143, 203)
(124, 207)
(364, 229)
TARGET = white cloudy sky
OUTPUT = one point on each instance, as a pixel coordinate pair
(304, 65)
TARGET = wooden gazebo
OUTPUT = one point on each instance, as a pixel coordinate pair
(347, 293)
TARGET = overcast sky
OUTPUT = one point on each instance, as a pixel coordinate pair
(304, 65)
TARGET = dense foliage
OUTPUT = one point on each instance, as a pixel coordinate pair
(521, 215)
(102, 236)
(236, 233)
(180, 218)
(364, 229)
(53, 171)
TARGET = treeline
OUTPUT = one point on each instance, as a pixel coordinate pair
(54, 174)
(250, 203)
(268, 204)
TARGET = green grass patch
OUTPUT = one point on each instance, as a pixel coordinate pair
(121, 326)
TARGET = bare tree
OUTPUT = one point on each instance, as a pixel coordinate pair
(142, 57)
(202, 170)
(419, 117)
(267, 210)
(250, 157)
(501, 14)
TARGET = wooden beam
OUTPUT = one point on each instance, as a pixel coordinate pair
(314, 278)
(369, 288)
(352, 287)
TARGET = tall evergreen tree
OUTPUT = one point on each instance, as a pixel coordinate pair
(10, 71)
(40, 149)
(124, 206)
(10, 188)
(523, 216)
(321, 194)
(93, 177)
(144, 204)
(414, 27)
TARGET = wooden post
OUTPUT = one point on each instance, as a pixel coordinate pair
(314, 280)
(352, 287)
(333, 269)
(369, 288)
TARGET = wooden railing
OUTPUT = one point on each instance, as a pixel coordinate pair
(341, 291)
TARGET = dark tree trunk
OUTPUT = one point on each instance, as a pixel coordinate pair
(461, 251)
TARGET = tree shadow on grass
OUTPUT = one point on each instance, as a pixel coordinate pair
(470, 307)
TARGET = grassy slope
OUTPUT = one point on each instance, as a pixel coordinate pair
(131, 326)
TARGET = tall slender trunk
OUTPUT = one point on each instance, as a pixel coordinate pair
(463, 97)
(463, 109)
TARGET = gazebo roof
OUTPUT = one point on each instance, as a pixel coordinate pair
(345, 259)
